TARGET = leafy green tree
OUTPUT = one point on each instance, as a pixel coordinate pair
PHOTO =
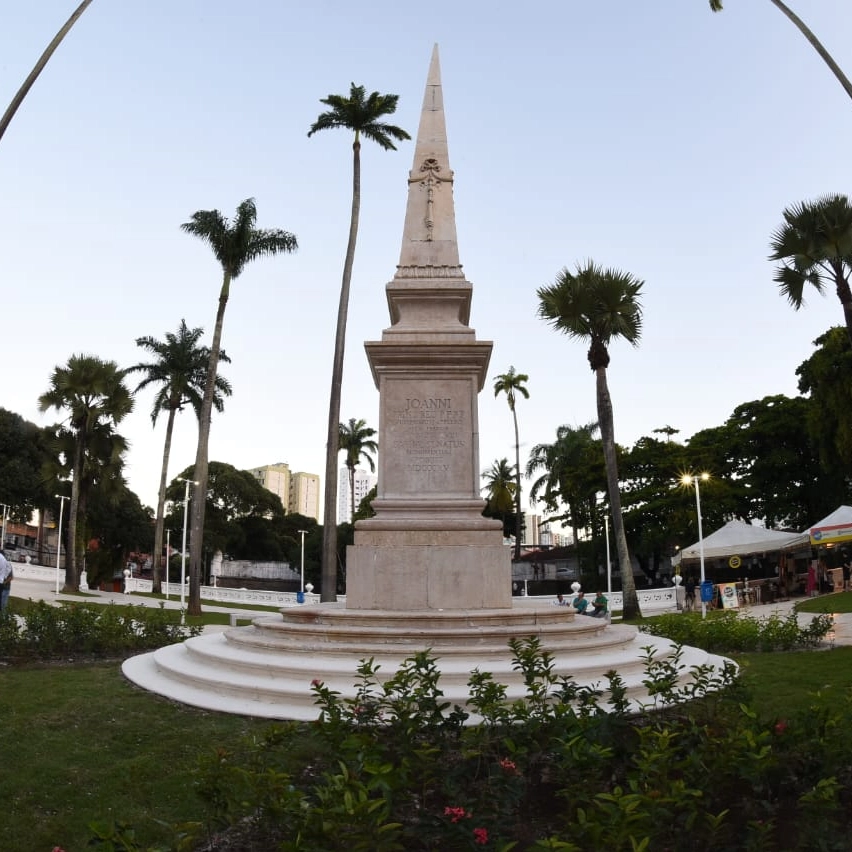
(22, 454)
(237, 508)
(356, 440)
(96, 399)
(777, 462)
(814, 246)
(118, 525)
(827, 378)
(362, 115)
(601, 305)
(179, 371)
(39, 67)
(573, 474)
(655, 511)
(234, 245)
(816, 44)
(500, 486)
(511, 384)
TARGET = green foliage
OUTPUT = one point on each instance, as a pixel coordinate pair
(726, 632)
(48, 632)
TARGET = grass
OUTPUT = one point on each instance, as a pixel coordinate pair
(80, 744)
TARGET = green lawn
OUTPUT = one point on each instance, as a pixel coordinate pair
(80, 743)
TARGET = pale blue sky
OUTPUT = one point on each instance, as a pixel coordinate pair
(654, 137)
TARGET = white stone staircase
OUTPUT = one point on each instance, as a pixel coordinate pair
(266, 669)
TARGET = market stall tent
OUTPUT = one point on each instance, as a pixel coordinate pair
(738, 538)
(834, 528)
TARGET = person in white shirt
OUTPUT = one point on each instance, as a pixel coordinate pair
(6, 576)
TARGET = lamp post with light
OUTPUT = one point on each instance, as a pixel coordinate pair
(689, 479)
(183, 552)
(61, 498)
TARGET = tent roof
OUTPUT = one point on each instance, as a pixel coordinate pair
(740, 538)
(833, 528)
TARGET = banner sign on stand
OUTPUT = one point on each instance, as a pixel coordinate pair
(728, 591)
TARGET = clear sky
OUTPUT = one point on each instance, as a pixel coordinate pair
(654, 137)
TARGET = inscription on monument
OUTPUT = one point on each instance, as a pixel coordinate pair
(430, 439)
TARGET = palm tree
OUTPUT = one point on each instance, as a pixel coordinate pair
(234, 245)
(179, 369)
(815, 247)
(500, 483)
(356, 440)
(816, 44)
(512, 383)
(566, 465)
(599, 305)
(362, 116)
(94, 394)
(39, 67)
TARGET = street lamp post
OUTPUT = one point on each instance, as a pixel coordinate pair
(689, 479)
(302, 533)
(168, 553)
(3, 535)
(62, 500)
(183, 553)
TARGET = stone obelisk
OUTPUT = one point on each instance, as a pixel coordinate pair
(428, 546)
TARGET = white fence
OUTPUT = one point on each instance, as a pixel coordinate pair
(651, 601)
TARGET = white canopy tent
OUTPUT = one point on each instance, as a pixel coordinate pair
(834, 528)
(738, 538)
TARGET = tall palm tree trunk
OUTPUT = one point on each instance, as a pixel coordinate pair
(200, 472)
(39, 67)
(816, 44)
(630, 606)
(351, 492)
(329, 530)
(161, 505)
(71, 573)
(517, 488)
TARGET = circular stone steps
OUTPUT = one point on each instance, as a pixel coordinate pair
(266, 669)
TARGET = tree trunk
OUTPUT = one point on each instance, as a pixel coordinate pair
(351, 493)
(816, 44)
(161, 504)
(518, 488)
(200, 471)
(328, 583)
(630, 606)
(39, 67)
(71, 573)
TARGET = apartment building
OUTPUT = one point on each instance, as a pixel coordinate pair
(364, 482)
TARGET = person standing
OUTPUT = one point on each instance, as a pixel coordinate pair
(689, 594)
(846, 567)
(6, 576)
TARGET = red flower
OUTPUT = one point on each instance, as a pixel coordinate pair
(780, 727)
(316, 682)
(509, 765)
(455, 814)
(480, 836)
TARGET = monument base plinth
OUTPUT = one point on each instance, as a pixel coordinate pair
(415, 570)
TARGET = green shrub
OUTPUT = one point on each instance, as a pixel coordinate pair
(46, 632)
(726, 632)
